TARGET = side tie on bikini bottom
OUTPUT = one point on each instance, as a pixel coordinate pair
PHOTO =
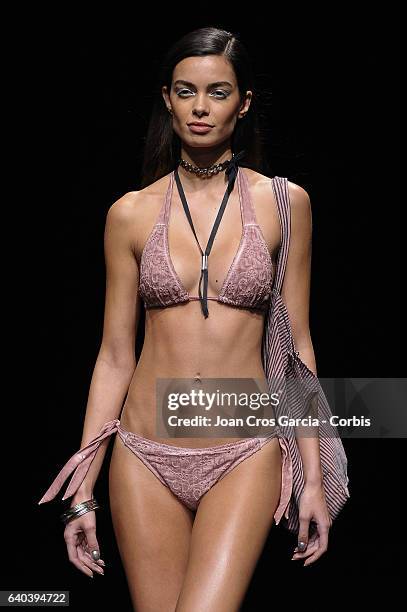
(80, 462)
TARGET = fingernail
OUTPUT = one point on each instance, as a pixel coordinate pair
(102, 562)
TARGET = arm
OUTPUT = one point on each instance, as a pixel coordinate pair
(116, 361)
(296, 295)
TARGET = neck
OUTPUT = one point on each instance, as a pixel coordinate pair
(203, 158)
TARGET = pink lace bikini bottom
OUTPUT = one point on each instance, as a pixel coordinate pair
(188, 472)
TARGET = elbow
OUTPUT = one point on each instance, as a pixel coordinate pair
(302, 338)
(117, 359)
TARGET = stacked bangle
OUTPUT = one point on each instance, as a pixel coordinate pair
(78, 510)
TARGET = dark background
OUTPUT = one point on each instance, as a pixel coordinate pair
(88, 102)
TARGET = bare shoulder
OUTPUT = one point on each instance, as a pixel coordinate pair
(260, 186)
(301, 214)
(262, 183)
(134, 203)
(122, 210)
(299, 198)
(257, 180)
(136, 211)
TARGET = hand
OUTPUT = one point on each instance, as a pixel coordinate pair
(80, 539)
(312, 507)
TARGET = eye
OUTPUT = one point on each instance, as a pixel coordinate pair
(180, 91)
(224, 93)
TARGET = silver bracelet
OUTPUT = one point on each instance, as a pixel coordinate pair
(79, 509)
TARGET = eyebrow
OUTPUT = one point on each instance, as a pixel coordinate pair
(216, 84)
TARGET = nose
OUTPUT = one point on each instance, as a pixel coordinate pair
(200, 106)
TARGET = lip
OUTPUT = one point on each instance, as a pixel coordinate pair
(199, 128)
(200, 123)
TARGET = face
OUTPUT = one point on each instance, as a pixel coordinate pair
(204, 89)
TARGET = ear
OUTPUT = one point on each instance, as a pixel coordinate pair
(166, 97)
(246, 104)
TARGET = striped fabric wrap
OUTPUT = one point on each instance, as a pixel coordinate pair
(281, 362)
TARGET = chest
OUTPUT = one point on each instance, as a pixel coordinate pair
(248, 236)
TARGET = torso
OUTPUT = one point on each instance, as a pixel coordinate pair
(179, 341)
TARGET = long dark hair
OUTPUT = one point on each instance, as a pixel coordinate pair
(162, 147)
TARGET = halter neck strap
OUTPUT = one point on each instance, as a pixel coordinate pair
(231, 172)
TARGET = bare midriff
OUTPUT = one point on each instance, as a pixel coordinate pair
(180, 343)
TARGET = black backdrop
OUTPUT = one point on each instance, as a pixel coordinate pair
(88, 104)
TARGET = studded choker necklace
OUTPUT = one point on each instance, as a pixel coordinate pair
(210, 170)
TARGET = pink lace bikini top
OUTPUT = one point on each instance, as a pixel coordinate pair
(248, 283)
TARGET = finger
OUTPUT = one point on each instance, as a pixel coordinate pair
(311, 540)
(73, 556)
(92, 545)
(88, 557)
(323, 546)
(303, 534)
(311, 548)
(88, 561)
(99, 561)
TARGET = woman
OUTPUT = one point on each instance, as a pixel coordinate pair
(191, 514)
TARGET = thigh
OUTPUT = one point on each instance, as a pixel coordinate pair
(230, 529)
(152, 529)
